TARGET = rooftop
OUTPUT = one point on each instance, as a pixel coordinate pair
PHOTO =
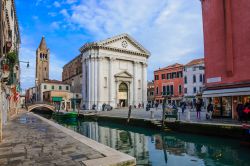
(54, 82)
(176, 65)
(195, 62)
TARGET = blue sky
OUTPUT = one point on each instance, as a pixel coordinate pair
(170, 29)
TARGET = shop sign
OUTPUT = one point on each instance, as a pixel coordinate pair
(214, 79)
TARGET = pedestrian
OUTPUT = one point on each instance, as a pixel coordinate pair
(129, 113)
(246, 111)
(239, 110)
(156, 105)
(210, 109)
(198, 109)
(183, 107)
(103, 106)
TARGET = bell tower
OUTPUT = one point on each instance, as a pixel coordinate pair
(42, 62)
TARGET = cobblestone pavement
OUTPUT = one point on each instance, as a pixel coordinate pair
(141, 113)
(30, 141)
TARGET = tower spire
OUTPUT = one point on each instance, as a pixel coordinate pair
(43, 45)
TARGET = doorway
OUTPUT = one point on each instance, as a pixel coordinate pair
(123, 95)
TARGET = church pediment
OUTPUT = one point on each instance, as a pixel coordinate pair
(124, 74)
(124, 42)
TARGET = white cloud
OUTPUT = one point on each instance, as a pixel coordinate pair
(65, 13)
(55, 25)
(57, 4)
(52, 14)
(71, 1)
(170, 29)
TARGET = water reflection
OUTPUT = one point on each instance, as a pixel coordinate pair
(150, 148)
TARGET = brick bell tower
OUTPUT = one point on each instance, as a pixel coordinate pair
(42, 62)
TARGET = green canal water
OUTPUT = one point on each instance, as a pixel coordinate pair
(155, 148)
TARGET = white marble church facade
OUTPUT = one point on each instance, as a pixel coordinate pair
(114, 72)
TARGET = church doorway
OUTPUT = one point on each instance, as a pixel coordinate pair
(123, 95)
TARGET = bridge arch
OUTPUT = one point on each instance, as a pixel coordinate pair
(34, 106)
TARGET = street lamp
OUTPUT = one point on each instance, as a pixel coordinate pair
(28, 64)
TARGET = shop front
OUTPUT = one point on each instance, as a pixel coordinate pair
(225, 101)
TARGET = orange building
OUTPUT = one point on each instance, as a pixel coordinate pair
(169, 82)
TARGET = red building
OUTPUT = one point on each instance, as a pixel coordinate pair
(226, 25)
(169, 82)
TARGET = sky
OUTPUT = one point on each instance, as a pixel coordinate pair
(170, 29)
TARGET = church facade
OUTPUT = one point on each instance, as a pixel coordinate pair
(114, 72)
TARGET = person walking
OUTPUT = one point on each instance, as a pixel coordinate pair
(198, 109)
(156, 105)
(129, 113)
(210, 109)
(239, 110)
(183, 107)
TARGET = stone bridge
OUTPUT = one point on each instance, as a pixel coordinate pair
(32, 106)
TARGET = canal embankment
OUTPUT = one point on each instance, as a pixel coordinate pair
(30, 139)
(209, 129)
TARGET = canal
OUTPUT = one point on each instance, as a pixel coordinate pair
(151, 147)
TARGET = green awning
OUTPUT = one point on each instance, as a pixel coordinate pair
(56, 98)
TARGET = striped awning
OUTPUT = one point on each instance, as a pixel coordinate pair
(227, 92)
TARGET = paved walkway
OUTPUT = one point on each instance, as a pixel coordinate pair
(30, 141)
(142, 114)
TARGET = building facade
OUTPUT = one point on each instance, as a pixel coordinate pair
(9, 62)
(150, 93)
(114, 72)
(226, 54)
(194, 79)
(168, 82)
(72, 75)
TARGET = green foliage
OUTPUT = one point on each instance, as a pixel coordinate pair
(12, 58)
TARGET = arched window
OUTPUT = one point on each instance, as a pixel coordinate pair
(41, 55)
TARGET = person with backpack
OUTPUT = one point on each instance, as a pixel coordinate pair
(210, 109)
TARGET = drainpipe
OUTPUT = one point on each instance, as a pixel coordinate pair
(1, 56)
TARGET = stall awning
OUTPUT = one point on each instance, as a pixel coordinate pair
(56, 98)
(227, 92)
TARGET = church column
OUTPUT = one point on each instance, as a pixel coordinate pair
(131, 93)
(135, 90)
(92, 85)
(116, 92)
(99, 81)
(111, 82)
(89, 83)
(144, 83)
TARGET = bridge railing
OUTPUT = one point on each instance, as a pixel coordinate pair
(38, 102)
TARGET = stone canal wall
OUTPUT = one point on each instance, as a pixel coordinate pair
(210, 129)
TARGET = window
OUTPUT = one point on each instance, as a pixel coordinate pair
(105, 82)
(157, 90)
(180, 89)
(201, 78)
(174, 75)
(169, 76)
(151, 93)
(200, 89)
(52, 87)
(194, 79)
(163, 76)
(194, 89)
(179, 74)
(185, 90)
(164, 90)
(168, 90)
(171, 89)
(45, 68)
(45, 87)
(185, 69)
(201, 68)
(185, 79)
(139, 84)
(194, 68)
(60, 87)
(156, 77)
(67, 87)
